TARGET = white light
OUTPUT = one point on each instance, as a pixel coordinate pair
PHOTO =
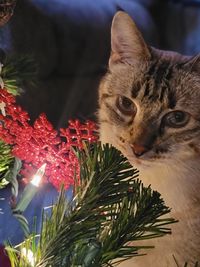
(38, 176)
(36, 180)
(28, 254)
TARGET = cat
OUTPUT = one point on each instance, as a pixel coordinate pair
(149, 108)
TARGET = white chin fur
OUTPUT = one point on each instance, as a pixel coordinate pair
(176, 179)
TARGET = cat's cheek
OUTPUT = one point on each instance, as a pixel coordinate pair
(107, 134)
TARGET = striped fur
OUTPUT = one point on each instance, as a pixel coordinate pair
(157, 82)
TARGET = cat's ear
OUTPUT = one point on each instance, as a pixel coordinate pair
(127, 44)
(193, 64)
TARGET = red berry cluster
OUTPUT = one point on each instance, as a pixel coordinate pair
(41, 143)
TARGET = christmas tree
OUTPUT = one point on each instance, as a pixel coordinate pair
(110, 209)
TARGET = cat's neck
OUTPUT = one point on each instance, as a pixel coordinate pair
(177, 185)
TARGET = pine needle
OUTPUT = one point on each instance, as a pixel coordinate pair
(111, 209)
(17, 71)
(6, 164)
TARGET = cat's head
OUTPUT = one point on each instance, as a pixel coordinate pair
(149, 99)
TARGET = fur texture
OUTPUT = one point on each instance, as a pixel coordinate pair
(149, 109)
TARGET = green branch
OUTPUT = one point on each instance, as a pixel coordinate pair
(111, 209)
(6, 164)
(17, 71)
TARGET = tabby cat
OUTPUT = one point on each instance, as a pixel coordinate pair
(150, 110)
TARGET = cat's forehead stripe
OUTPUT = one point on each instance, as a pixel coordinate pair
(136, 87)
(159, 74)
(156, 84)
(163, 73)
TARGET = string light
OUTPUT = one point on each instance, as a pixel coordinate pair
(28, 254)
(30, 190)
(38, 176)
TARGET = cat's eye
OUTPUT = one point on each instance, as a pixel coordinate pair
(176, 119)
(126, 106)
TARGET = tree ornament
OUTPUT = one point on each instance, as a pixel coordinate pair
(41, 143)
(6, 10)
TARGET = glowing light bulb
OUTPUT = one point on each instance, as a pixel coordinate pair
(28, 254)
(38, 176)
(30, 190)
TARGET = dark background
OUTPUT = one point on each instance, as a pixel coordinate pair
(70, 41)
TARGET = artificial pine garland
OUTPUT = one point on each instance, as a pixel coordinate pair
(109, 211)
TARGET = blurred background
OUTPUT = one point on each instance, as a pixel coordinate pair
(70, 41)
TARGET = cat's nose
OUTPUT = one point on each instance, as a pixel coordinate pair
(138, 150)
